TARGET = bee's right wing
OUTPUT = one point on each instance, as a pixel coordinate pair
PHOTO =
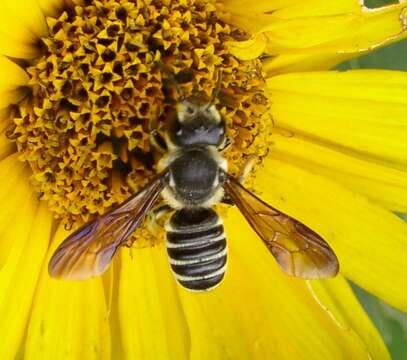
(89, 250)
(298, 250)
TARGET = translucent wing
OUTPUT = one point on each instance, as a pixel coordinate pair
(298, 250)
(89, 250)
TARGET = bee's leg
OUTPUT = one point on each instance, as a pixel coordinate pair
(227, 142)
(247, 168)
(227, 200)
(158, 141)
(156, 218)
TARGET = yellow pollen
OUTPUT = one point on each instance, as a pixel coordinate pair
(96, 93)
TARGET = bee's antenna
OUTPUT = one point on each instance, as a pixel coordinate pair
(217, 89)
(170, 76)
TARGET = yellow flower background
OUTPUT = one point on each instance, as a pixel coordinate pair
(337, 162)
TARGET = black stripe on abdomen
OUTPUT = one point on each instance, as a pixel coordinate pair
(198, 257)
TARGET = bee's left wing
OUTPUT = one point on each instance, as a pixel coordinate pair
(298, 250)
(89, 250)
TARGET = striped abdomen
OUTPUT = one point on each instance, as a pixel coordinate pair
(196, 247)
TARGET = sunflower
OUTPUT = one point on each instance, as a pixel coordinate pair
(81, 92)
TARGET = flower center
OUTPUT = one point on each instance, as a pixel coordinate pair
(97, 93)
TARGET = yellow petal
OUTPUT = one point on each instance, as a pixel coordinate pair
(19, 276)
(22, 23)
(16, 46)
(294, 34)
(260, 313)
(14, 180)
(290, 8)
(69, 319)
(382, 184)
(269, 15)
(4, 118)
(360, 112)
(12, 78)
(370, 242)
(286, 63)
(11, 75)
(29, 13)
(298, 8)
(152, 323)
(51, 7)
(6, 146)
(248, 50)
(337, 298)
(344, 33)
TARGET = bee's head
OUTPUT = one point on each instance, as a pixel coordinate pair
(194, 109)
(198, 123)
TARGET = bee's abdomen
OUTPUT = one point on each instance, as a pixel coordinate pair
(196, 247)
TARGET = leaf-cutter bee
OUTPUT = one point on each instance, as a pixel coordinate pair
(192, 178)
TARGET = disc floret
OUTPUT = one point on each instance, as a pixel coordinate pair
(96, 93)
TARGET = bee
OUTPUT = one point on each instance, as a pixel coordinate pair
(192, 178)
